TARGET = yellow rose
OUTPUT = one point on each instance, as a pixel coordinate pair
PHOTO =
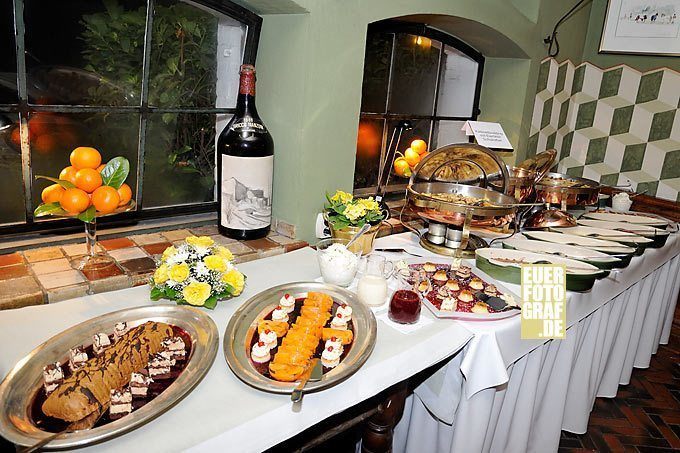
(161, 275)
(200, 241)
(236, 280)
(179, 272)
(224, 253)
(196, 293)
(342, 197)
(169, 252)
(369, 203)
(215, 263)
(354, 211)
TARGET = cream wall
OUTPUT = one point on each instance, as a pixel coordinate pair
(310, 68)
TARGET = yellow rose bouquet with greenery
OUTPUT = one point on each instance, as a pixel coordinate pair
(343, 210)
(197, 272)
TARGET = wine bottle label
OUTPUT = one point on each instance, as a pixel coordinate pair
(248, 124)
(246, 187)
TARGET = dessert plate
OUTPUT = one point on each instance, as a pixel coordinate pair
(657, 235)
(243, 325)
(599, 259)
(628, 218)
(623, 237)
(19, 388)
(609, 247)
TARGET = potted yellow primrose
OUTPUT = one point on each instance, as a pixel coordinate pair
(197, 272)
(346, 215)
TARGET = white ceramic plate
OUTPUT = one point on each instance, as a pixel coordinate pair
(602, 233)
(581, 241)
(516, 258)
(628, 218)
(643, 230)
(567, 251)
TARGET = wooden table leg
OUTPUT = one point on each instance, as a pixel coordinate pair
(379, 429)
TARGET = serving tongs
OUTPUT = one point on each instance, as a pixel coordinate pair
(313, 373)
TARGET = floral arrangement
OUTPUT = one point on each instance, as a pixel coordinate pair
(197, 272)
(343, 210)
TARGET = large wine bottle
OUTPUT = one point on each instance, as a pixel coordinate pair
(245, 164)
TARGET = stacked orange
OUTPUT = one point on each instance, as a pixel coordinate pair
(84, 174)
(410, 158)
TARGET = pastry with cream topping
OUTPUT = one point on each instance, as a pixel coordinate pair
(260, 353)
(346, 312)
(53, 375)
(76, 358)
(287, 302)
(476, 283)
(175, 347)
(121, 403)
(280, 314)
(449, 304)
(160, 365)
(100, 341)
(139, 383)
(330, 357)
(120, 329)
(269, 338)
(339, 322)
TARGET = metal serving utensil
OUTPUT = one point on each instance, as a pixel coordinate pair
(313, 373)
(358, 234)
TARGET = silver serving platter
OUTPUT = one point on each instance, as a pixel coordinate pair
(243, 325)
(23, 382)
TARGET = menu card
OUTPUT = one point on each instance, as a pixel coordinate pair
(487, 134)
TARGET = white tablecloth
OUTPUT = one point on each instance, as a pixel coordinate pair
(222, 413)
(504, 394)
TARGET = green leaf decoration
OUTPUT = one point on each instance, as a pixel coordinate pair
(62, 182)
(49, 209)
(157, 293)
(88, 215)
(116, 172)
(170, 293)
(211, 302)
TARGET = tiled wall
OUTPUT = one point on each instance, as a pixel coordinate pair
(612, 125)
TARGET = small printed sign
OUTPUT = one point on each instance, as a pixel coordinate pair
(544, 301)
(487, 134)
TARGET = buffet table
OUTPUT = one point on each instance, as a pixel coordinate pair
(504, 394)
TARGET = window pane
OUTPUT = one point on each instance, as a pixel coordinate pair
(84, 52)
(190, 47)
(457, 84)
(369, 144)
(376, 72)
(54, 135)
(179, 164)
(12, 208)
(8, 61)
(447, 133)
(421, 130)
(414, 75)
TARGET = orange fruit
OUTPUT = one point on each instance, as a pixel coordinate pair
(68, 174)
(105, 199)
(419, 146)
(88, 179)
(101, 167)
(52, 193)
(401, 168)
(411, 157)
(85, 157)
(74, 201)
(125, 194)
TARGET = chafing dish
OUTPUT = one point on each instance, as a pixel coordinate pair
(557, 188)
(521, 183)
(540, 163)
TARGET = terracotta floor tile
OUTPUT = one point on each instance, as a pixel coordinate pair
(14, 271)
(156, 249)
(10, 259)
(206, 230)
(238, 248)
(59, 279)
(118, 243)
(129, 253)
(43, 254)
(261, 244)
(20, 292)
(295, 246)
(149, 238)
(51, 266)
(106, 272)
(139, 265)
(177, 235)
(80, 249)
(222, 240)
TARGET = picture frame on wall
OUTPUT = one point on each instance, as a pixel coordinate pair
(644, 27)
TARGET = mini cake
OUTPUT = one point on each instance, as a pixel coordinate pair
(287, 302)
(402, 268)
(491, 290)
(76, 358)
(159, 365)
(452, 285)
(346, 312)
(268, 337)
(330, 357)
(120, 329)
(280, 314)
(121, 403)
(339, 322)
(175, 347)
(100, 341)
(480, 308)
(466, 296)
(424, 286)
(509, 299)
(333, 341)
(440, 276)
(139, 383)
(476, 283)
(449, 304)
(53, 375)
(429, 267)
(463, 272)
(260, 353)
(443, 291)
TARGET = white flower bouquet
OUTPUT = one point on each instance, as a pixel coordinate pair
(197, 272)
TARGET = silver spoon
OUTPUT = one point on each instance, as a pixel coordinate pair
(358, 234)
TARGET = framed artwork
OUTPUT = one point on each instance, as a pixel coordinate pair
(646, 27)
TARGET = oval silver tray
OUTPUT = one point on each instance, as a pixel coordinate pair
(25, 379)
(243, 325)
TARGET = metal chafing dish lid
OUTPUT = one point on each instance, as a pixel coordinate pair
(540, 163)
(463, 163)
(564, 181)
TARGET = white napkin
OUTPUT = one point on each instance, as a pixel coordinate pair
(403, 328)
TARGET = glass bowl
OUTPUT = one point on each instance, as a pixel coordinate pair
(338, 265)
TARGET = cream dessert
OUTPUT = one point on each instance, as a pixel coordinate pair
(443, 291)
(121, 403)
(491, 290)
(139, 383)
(76, 358)
(280, 314)
(269, 338)
(346, 312)
(424, 286)
(440, 276)
(333, 341)
(339, 322)
(429, 267)
(287, 302)
(175, 347)
(452, 285)
(53, 375)
(260, 353)
(338, 265)
(100, 341)
(449, 304)
(480, 308)
(160, 365)
(476, 283)
(120, 329)
(466, 296)
(330, 358)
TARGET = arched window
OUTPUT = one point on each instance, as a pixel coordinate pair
(416, 73)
